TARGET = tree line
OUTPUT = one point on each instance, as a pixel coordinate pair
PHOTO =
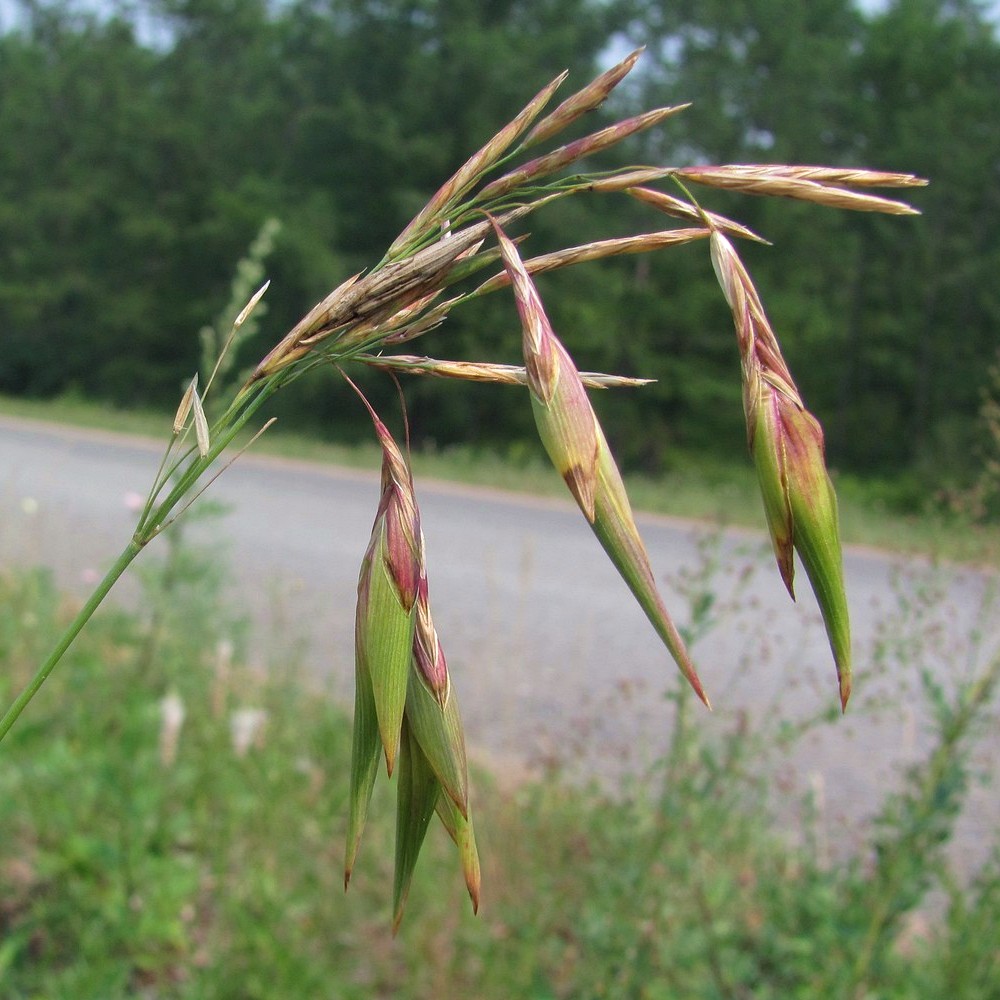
(145, 144)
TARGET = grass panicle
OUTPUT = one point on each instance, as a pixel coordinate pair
(437, 263)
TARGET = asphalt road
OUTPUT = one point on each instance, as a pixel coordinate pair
(551, 659)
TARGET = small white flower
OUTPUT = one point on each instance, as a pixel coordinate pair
(246, 726)
(171, 720)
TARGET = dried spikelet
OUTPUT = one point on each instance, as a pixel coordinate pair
(432, 319)
(570, 153)
(784, 182)
(680, 209)
(180, 418)
(470, 371)
(597, 250)
(289, 347)
(399, 285)
(251, 305)
(358, 332)
(407, 322)
(380, 295)
(625, 180)
(200, 424)
(590, 97)
(372, 298)
(467, 175)
(849, 176)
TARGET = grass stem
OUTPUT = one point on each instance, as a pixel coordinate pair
(73, 630)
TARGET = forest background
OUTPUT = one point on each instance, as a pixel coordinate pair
(144, 145)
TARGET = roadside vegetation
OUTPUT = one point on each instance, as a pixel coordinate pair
(172, 809)
(172, 819)
(707, 488)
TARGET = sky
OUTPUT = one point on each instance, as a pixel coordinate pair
(9, 8)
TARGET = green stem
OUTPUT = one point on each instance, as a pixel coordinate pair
(151, 523)
(84, 615)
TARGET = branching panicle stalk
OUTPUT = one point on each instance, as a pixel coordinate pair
(406, 710)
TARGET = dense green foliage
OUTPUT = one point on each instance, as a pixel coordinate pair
(143, 151)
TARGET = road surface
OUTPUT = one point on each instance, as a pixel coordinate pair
(552, 660)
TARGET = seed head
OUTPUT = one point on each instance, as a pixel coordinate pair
(549, 163)
(575, 442)
(823, 185)
(801, 509)
(472, 170)
(786, 443)
(590, 97)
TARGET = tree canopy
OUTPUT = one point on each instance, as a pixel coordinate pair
(144, 148)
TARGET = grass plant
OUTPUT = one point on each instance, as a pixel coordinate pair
(456, 249)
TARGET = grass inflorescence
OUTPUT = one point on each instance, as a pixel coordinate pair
(461, 247)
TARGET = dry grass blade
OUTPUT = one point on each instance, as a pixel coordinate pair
(783, 182)
(471, 371)
(598, 250)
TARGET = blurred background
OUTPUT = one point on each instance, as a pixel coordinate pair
(172, 804)
(147, 142)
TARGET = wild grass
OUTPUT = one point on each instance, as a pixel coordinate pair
(699, 488)
(171, 818)
(147, 855)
